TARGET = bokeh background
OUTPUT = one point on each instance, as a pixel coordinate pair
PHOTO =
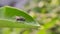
(41, 10)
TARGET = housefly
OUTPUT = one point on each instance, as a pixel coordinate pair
(19, 19)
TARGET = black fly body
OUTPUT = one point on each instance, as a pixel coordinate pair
(19, 19)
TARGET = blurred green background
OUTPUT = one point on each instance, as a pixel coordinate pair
(43, 11)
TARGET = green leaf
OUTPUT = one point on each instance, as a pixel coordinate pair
(48, 25)
(7, 18)
(51, 23)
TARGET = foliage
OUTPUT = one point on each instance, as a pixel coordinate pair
(45, 19)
